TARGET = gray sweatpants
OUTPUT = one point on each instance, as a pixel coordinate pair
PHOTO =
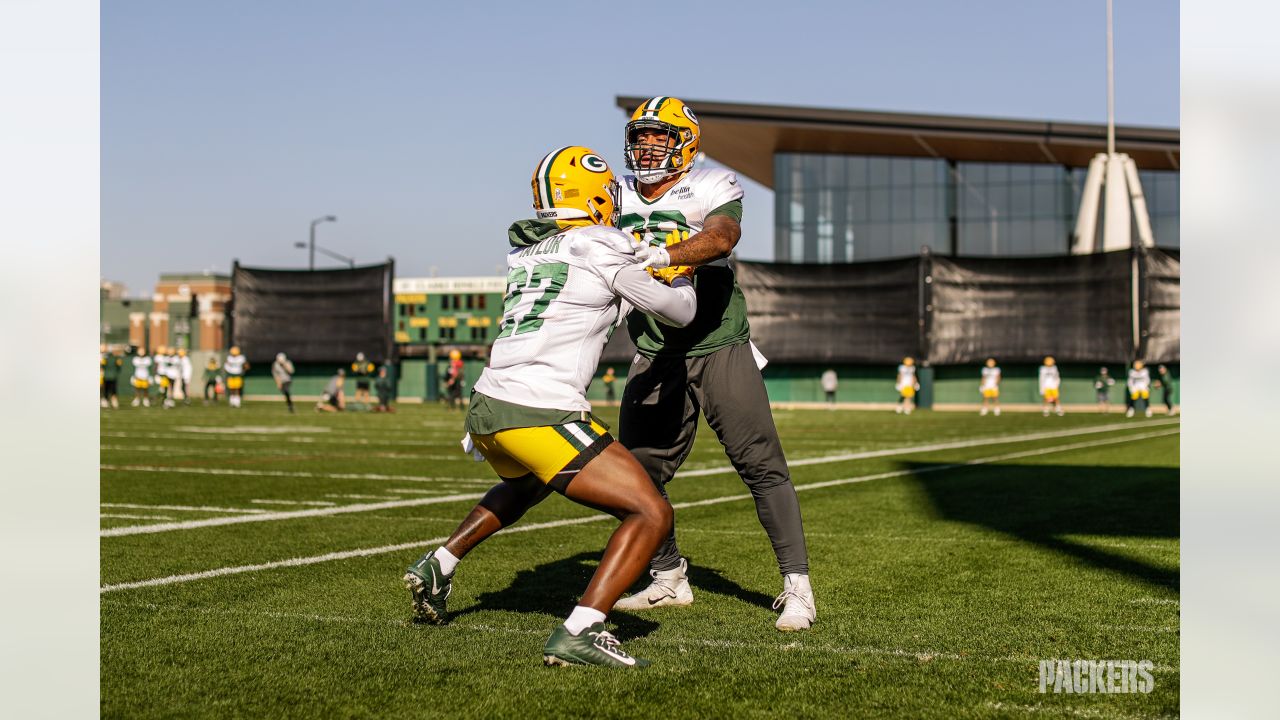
(659, 418)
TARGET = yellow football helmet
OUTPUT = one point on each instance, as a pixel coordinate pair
(908, 361)
(575, 187)
(455, 354)
(1138, 365)
(235, 349)
(1049, 361)
(672, 117)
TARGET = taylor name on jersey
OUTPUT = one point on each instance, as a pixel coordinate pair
(682, 210)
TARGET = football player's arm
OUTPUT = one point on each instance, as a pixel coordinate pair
(720, 235)
(673, 305)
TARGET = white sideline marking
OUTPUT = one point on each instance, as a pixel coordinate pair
(411, 491)
(323, 503)
(327, 440)
(362, 497)
(189, 508)
(254, 429)
(136, 517)
(173, 450)
(365, 552)
(954, 445)
(179, 470)
(267, 516)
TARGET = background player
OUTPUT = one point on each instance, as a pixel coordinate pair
(990, 387)
(1139, 387)
(906, 385)
(141, 378)
(571, 278)
(1050, 382)
(235, 367)
(362, 370)
(682, 217)
(1164, 381)
(1102, 383)
(212, 373)
(112, 367)
(453, 380)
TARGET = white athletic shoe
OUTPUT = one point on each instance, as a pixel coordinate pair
(670, 588)
(1148, 412)
(997, 411)
(136, 402)
(1128, 413)
(1046, 412)
(146, 402)
(1060, 412)
(983, 412)
(796, 601)
(103, 403)
(898, 409)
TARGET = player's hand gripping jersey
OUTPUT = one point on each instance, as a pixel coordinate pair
(680, 212)
(566, 292)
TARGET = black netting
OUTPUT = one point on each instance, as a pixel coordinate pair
(1162, 274)
(1075, 308)
(313, 316)
(860, 312)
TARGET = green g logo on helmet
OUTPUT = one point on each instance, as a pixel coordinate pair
(594, 163)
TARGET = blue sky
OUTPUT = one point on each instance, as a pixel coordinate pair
(227, 127)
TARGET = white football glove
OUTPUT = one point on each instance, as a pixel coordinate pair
(651, 256)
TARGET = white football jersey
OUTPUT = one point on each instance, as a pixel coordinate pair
(683, 207)
(906, 377)
(1049, 377)
(141, 367)
(990, 378)
(563, 302)
(173, 367)
(1139, 379)
(234, 365)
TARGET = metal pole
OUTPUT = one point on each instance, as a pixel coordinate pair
(312, 265)
(1111, 89)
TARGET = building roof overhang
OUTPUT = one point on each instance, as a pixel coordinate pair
(745, 137)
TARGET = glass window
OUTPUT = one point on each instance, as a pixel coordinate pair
(1014, 209)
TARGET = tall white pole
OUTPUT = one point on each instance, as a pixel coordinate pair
(1111, 89)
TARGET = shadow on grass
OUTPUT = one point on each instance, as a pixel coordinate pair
(702, 577)
(553, 588)
(1040, 504)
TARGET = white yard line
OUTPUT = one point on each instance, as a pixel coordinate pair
(361, 497)
(303, 440)
(179, 470)
(365, 552)
(182, 450)
(321, 503)
(188, 508)
(135, 517)
(954, 445)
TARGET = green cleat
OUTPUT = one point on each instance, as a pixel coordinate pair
(430, 588)
(593, 646)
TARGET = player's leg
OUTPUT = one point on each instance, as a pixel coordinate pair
(657, 422)
(613, 482)
(729, 387)
(430, 578)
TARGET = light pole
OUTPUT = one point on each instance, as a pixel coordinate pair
(314, 223)
(330, 253)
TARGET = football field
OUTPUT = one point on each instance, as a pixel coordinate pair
(251, 565)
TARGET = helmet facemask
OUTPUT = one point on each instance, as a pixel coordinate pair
(670, 156)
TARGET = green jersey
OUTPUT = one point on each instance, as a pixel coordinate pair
(683, 211)
(112, 366)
